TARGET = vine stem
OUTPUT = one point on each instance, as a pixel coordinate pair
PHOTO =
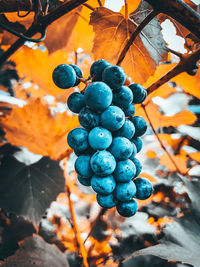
(186, 63)
(140, 27)
(99, 1)
(42, 23)
(159, 140)
(79, 241)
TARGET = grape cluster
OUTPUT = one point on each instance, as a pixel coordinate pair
(109, 137)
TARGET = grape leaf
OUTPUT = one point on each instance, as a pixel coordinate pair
(63, 27)
(34, 127)
(34, 251)
(111, 35)
(28, 190)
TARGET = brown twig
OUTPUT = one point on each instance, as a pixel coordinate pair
(89, 6)
(93, 224)
(138, 30)
(79, 241)
(99, 1)
(159, 140)
(126, 9)
(42, 23)
(187, 63)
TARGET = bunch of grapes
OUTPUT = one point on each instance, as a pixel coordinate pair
(109, 137)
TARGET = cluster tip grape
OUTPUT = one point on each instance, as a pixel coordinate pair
(108, 138)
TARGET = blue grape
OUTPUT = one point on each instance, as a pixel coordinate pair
(138, 166)
(144, 188)
(114, 76)
(129, 111)
(84, 181)
(98, 96)
(121, 148)
(139, 93)
(123, 97)
(107, 202)
(79, 73)
(88, 118)
(78, 139)
(112, 118)
(127, 130)
(125, 191)
(125, 171)
(99, 138)
(82, 166)
(97, 69)
(138, 143)
(103, 185)
(103, 163)
(64, 76)
(134, 152)
(140, 125)
(127, 209)
(76, 102)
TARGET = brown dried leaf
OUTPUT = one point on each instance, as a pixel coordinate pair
(34, 251)
(34, 127)
(111, 35)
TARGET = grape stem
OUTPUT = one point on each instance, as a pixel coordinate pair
(187, 62)
(42, 22)
(79, 241)
(138, 30)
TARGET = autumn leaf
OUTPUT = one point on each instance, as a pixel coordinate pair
(28, 189)
(38, 66)
(180, 161)
(34, 127)
(35, 252)
(111, 35)
(132, 5)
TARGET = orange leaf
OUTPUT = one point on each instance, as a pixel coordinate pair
(111, 33)
(180, 161)
(195, 156)
(38, 66)
(132, 5)
(35, 128)
(159, 120)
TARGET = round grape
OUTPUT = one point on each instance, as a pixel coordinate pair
(82, 166)
(134, 152)
(125, 191)
(138, 166)
(103, 185)
(76, 102)
(114, 76)
(78, 139)
(129, 111)
(97, 69)
(79, 73)
(98, 96)
(123, 97)
(139, 93)
(107, 201)
(127, 130)
(140, 125)
(103, 163)
(125, 171)
(88, 118)
(121, 148)
(84, 181)
(64, 76)
(144, 188)
(127, 209)
(112, 118)
(138, 143)
(99, 138)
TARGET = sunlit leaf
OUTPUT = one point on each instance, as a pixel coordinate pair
(111, 35)
(34, 127)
